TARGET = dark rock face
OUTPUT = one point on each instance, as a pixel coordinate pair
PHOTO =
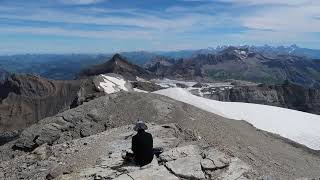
(117, 65)
(241, 64)
(180, 85)
(8, 136)
(199, 85)
(287, 95)
(25, 99)
(146, 86)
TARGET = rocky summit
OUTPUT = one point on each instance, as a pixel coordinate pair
(100, 157)
(86, 142)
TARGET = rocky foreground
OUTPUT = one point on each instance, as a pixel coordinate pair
(79, 143)
(99, 157)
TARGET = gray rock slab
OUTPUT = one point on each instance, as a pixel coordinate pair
(214, 159)
(187, 167)
(180, 152)
(99, 173)
(236, 170)
(154, 173)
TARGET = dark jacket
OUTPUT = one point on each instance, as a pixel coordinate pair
(142, 147)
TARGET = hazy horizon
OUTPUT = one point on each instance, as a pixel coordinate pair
(154, 51)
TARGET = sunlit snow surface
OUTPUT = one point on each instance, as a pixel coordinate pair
(112, 84)
(139, 90)
(301, 127)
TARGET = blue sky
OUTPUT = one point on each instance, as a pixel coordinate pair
(103, 26)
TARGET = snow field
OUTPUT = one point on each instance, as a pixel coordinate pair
(298, 126)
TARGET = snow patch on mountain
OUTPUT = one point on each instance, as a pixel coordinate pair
(139, 90)
(140, 79)
(169, 83)
(110, 84)
(298, 126)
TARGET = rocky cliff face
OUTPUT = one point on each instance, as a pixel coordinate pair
(287, 95)
(25, 99)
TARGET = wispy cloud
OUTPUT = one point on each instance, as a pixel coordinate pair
(81, 2)
(119, 34)
(258, 2)
(146, 21)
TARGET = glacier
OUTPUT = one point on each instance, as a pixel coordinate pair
(295, 125)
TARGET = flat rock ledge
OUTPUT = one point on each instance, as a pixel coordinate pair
(189, 161)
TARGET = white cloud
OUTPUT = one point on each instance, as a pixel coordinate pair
(298, 19)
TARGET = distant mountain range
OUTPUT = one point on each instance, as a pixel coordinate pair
(266, 50)
(240, 63)
(67, 66)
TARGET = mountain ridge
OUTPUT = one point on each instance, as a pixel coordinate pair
(242, 64)
(118, 65)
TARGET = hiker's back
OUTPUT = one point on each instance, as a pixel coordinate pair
(142, 147)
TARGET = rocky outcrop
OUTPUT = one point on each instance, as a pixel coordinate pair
(286, 95)
(200, 85)
(117, 65)
(146, 86)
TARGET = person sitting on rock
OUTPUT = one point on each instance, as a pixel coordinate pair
(142, 145)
